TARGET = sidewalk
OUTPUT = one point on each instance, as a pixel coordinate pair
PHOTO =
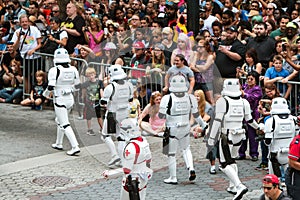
(31, 169)
(57, 176)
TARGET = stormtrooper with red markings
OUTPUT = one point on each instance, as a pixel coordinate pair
(280, 129)
(136, 158)
(116, 98)
(230, 112)
(62, 80)
(176, 108)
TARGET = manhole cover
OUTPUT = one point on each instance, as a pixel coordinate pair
(51, 180)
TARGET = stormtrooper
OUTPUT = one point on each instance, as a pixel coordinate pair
(230, 110)
(62, 79)
(116, 98)
(176, 108)
(280, 129)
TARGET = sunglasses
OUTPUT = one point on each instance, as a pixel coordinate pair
(267, 188)
(55, 11)
(200, 46)
(269, 8)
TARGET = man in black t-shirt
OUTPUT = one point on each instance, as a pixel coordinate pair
(230, 54)
(73, 25)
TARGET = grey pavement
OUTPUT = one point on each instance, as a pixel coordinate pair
(31, 169)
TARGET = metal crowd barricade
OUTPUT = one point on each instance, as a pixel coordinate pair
(43, 62)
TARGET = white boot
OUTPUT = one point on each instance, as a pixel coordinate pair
(233, 178)
(72, 139)
(241, 190)
(112, 148)
(188, 158)
(172, 169)
(59, 138)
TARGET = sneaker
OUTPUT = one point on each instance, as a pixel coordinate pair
(192, 175)
(254, 158)
(171, 180)
(91, 132)
(80, 117)
(114, 160)
(261, 166)
(212, 170)
(73, 151)
(57, 146)
(38, 107)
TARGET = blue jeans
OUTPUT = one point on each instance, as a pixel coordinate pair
(264, 152)
(10, 95)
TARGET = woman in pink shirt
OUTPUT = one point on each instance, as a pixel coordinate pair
(155, 126)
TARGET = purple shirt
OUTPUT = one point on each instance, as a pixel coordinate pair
(253, 95)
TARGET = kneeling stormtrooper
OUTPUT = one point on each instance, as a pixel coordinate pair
(136, 158)
(280, 129)
(62, 79)
(230, 110)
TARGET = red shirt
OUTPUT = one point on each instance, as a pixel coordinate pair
(294, 152)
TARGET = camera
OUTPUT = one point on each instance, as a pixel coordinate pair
(266, 104)
(283, 47)
(22, 33)
(86, 28)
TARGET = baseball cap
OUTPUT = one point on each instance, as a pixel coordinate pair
(138, 45)
(159, 46)
(270, 178)
(232, 28)
(110, 46)
(167, 30)
(291, 25)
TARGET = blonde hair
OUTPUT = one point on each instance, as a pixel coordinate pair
(40, 73)
(201, 102)
(90, 70)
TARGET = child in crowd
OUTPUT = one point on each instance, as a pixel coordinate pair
(36, 97)
(92, 91)
(277, 73)
(135, 107)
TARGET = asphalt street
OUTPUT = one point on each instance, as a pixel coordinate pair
(31, 169)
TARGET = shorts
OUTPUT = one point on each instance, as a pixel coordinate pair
(92, 110)
(203, 86)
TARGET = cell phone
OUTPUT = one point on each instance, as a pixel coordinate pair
(105, 31)
(76, 51)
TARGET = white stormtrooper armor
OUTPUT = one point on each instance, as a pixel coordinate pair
(176, 107)
(230, 110)
(116, 96)
(136, 157)
(280, 130)
(61, 79)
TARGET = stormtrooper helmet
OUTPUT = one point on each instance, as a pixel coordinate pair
(178, 84)
(130, 129)
(231, 88)
(61, 55)
(116, 72)
(279, 106)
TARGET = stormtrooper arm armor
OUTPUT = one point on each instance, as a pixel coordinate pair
(269, 131)
(129, 155)
(131, 91)
(77, 83)
(51, 81)
(163, 107)
(248, 117)
(106, 94)
(220, 111)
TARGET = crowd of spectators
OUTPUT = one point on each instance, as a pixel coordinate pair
(254, 40)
